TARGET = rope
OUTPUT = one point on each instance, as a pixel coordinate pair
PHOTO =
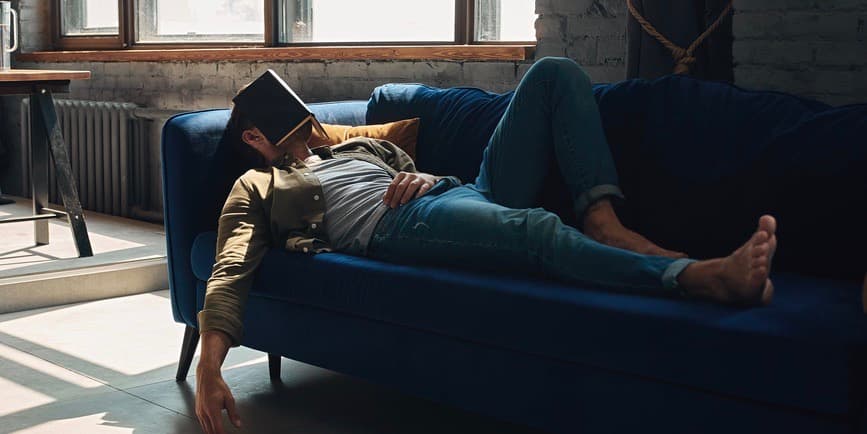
(683, 58)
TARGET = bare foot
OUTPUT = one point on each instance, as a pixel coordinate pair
(740, 278)
(602, 225)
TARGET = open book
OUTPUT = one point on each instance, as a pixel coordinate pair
(274, 108)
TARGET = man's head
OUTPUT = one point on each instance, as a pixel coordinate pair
(254, 148)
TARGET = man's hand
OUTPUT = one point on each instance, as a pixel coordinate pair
(212, 396)
(406, 186)
(212, 393)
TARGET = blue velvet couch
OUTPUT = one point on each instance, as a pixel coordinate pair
(557, 357)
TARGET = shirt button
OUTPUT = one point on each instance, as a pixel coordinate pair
(313, 226)
(315, 197)
(306, 249)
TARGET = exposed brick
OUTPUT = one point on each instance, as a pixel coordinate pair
(488, 72)
(842, 54)
(563, 7)
(437, 72)
(584, 50)
(762, 52)
(551, 27)
(774, 5)
(346, 69)
(595, 26)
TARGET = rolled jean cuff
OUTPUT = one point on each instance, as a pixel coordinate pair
(669, 276)
(594, 194)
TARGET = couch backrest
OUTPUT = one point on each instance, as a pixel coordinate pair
(197, 175)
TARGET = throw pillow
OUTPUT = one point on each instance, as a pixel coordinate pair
(403, 133)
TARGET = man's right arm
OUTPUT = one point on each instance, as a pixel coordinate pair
(242, 241)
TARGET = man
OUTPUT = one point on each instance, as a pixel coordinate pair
(365, 197)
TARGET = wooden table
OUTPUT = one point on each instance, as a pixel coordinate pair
(46, 137)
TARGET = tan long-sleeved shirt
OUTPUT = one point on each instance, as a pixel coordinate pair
(281, 206)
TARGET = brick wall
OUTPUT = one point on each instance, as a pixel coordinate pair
(592, 32)
(813, 48)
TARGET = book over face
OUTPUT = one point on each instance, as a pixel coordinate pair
(271, 105)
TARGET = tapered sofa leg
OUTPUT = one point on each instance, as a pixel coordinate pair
(274, 366)
(188, 349)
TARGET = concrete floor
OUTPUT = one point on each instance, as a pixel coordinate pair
(108, 366)
(129, 258)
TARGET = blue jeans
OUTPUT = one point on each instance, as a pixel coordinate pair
(495, 224)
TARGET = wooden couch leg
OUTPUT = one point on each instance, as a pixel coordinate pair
(274, 366)
(188, 349)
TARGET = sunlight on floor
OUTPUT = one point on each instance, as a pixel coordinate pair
(94, 424)
(91, 345)
(15, 397)
(35, 363)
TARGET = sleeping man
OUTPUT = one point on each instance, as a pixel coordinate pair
(365, 197)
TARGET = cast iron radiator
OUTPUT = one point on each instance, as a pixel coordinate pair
(108, 150)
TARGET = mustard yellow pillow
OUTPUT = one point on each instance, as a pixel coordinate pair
(402, 133)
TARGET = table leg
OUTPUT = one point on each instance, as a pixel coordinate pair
(38, 172)
(47, 120)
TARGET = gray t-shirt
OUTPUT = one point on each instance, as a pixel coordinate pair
(353, 192)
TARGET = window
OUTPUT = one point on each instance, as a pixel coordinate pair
(184, 23)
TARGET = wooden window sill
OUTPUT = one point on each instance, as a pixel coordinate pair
(431, 52)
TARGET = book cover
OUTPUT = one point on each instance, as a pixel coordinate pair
(274, 108)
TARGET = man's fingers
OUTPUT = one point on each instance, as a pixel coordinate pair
(216, 419)
(399, 192)
(423, 189)
(410, 191)
(233, 412)
(389, 194)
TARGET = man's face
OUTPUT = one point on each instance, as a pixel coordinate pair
(260, 143)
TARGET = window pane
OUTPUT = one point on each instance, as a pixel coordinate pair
(367, 21)
(200, 21)
(505, 20)
(88, 17)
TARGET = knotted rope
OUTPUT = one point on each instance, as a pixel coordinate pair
(683, 58)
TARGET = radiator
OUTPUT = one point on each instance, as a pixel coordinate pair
(108, 151)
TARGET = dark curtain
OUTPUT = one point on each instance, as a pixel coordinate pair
(681, 21)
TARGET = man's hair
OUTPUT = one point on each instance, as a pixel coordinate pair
(248, 157)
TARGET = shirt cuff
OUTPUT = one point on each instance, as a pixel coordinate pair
(210, 319)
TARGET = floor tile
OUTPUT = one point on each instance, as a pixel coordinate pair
(112, 412)
(311, 400)
(124, 341)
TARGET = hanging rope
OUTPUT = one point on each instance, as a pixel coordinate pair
(683, 58)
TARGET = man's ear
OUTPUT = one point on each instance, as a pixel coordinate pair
(249, 137)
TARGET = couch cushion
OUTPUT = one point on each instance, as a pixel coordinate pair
(804, 350)
(403, 133)
(456, 123)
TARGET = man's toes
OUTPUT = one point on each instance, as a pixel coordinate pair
(759, 237)
(767, 292)
(768, 224)
(761, 250)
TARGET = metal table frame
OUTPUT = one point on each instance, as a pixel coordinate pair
(47, 139)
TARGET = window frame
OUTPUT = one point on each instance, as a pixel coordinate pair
(125, 39)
